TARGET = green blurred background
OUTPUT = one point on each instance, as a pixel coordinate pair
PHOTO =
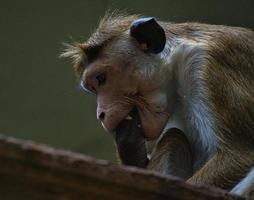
(39, 96)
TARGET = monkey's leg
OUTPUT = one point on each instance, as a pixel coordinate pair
(130, 142)
(224, 170)
(172, 155)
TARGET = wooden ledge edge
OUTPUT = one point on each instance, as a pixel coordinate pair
(87, 175)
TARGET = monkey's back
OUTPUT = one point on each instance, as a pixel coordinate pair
(230, 79)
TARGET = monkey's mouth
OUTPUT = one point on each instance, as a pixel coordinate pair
(130, 124)
(149, 124)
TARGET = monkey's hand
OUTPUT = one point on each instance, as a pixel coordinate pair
(130, 142)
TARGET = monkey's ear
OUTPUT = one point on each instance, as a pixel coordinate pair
(149, 34)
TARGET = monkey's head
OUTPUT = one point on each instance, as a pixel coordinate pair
(121, 64)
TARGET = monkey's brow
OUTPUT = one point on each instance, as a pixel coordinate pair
(92, 52)
(99, 65)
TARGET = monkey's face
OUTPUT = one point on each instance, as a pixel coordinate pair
(125, 76)
(121, 85)
(124, 72)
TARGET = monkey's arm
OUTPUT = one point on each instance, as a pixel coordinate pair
(131, 148)
(130, 142)
(224, 170)
(172, 155)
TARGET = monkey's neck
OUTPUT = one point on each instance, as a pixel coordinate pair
(191, 114)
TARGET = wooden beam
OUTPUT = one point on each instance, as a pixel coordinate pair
(33, 171)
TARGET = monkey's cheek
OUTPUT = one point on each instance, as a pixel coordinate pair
(152, 133)
(153, 126)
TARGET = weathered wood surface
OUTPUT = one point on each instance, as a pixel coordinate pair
(30, 171)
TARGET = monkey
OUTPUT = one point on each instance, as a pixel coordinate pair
(187, 86)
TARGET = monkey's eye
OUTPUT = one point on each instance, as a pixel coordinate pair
(101, 78)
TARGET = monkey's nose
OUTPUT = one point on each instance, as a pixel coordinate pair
(101, 113)
(101, 116)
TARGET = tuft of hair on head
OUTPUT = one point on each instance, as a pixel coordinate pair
(76, 52)
(112, 25)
